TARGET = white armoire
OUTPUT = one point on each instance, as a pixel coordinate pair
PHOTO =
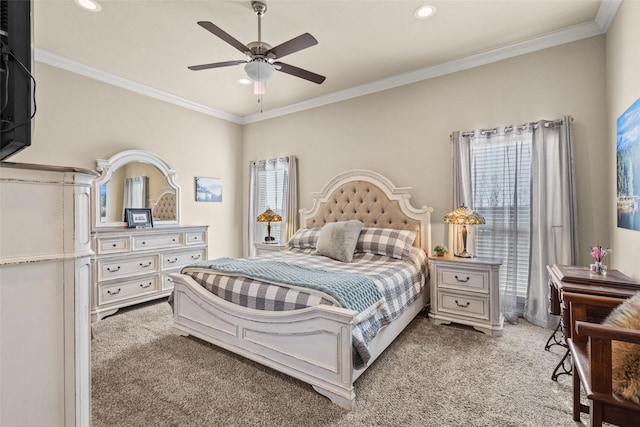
(45, 285)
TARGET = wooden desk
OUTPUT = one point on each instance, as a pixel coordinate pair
(580, 280)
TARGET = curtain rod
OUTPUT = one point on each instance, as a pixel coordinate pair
(511, 128)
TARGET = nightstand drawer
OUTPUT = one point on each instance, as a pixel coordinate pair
(467, 280)
(466, 305)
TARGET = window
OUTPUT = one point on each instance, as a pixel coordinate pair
(273, 186)
(501, 193)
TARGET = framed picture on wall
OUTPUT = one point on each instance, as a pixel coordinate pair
(138, 217)
(628, 167)
(208, 189)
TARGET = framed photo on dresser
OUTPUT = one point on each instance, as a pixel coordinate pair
(138, 217)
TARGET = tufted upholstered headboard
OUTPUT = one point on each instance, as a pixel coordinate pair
(371, 198)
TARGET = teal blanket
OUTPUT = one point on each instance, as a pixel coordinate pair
(352, 291)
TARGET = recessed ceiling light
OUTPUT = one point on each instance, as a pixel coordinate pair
(245, 81)
(90, 5)
(424, 12)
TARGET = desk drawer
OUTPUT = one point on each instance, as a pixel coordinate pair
(465, 305)
(114, 269)
(161, 241)
(466, 280)
(128, 289)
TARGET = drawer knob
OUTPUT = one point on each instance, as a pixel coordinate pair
(147, 265)
(143, 286)
(462, 280)
(172, 261)
(173, 240)
(195, 256)
(114, 293)
(114, 245)
(112, 271)
(144, 243)
(462, 305)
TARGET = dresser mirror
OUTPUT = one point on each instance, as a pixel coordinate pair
(135, 179)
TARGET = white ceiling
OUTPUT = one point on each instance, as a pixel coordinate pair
(363, 46)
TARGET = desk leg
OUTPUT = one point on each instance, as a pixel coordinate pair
(561, 369)
(553, 339)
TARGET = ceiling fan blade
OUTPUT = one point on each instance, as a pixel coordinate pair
(224, 35)
(295, 44)
(215, 65)
(299, 72)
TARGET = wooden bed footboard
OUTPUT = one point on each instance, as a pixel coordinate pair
(312, 344)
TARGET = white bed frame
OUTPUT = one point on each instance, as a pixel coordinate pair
(311, 344)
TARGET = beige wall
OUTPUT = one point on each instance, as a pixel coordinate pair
(403, 133)
(80, 120)
(623, 89)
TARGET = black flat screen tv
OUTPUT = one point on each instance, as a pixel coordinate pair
(17, 85)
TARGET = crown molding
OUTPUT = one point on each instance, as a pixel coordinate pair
(606, 14)
(50, 58)
(568, 35)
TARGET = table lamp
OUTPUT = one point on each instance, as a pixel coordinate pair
(463, 216)
(269, 216)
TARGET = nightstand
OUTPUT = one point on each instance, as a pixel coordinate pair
(466, 291)
(265, 248)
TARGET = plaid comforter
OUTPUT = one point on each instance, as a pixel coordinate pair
(399, 281)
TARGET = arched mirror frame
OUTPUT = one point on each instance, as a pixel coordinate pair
(106, 168)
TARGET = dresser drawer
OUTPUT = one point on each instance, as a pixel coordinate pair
(128, 289)
(113, 269)
(161, 241)
(465, 305)
(111, 246)
(462, 279)
(180, 259)
(167, 282)
(195, 237)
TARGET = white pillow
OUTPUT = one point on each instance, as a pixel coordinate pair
(338, 240)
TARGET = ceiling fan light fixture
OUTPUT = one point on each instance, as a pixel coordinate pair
(259, 70)
(259, 88)
(424, 12)
(90, 5)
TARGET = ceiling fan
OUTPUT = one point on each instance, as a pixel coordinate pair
(261, 59)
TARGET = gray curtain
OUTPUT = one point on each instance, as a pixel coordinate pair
(552, 233)
(136, 192)
(553, 213)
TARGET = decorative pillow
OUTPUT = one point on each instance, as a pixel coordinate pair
(625, 357)
(338, 240)
(386, 241)
(305, 238)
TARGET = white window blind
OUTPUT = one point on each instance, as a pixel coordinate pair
(501, 191)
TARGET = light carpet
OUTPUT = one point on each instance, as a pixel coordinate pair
(143, 375)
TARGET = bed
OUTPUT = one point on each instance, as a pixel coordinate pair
(315, 344)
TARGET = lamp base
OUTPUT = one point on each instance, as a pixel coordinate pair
(464, 254)
(269, 239)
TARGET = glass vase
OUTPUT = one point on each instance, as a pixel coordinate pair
(598, 268)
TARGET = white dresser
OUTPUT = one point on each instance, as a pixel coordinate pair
(133, 265)
(45, 282)
(466, 291)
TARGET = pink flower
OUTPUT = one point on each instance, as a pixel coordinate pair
(598, 253)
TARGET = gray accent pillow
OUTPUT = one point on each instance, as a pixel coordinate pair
(338, 240)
